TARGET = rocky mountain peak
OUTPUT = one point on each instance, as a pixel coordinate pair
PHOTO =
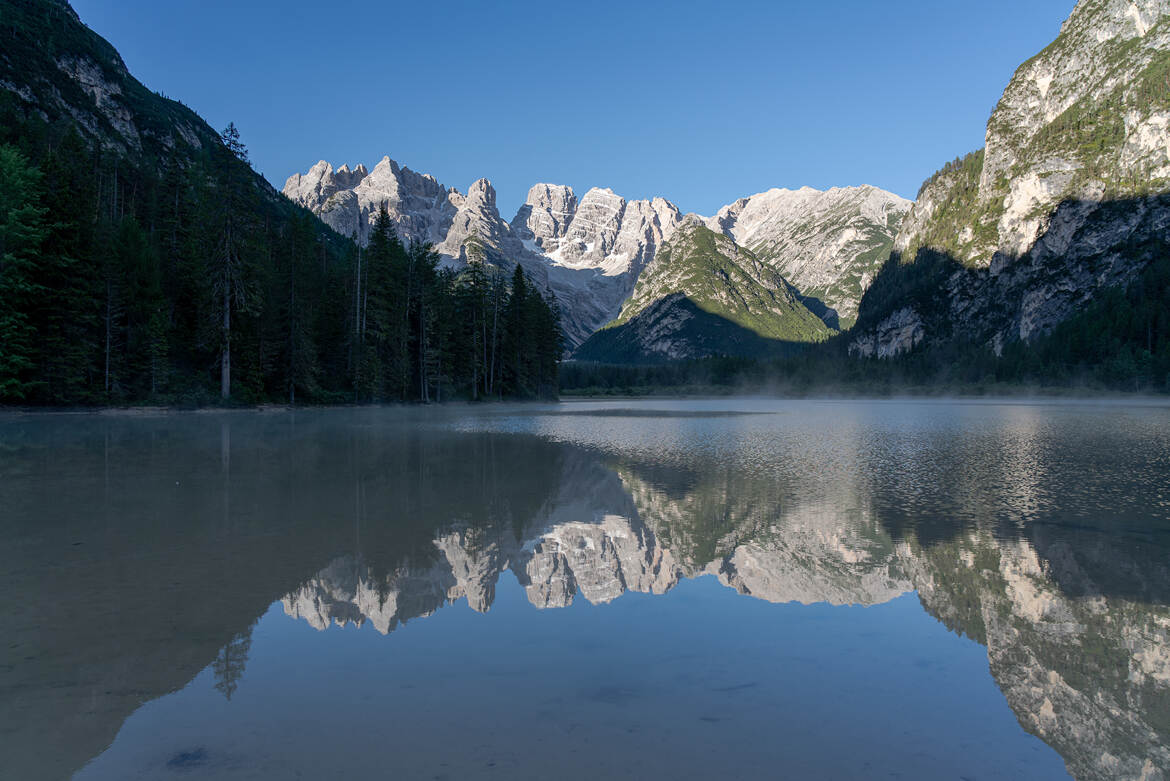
(545, 216)
(482, 192)
(828, 244)
(591, 250)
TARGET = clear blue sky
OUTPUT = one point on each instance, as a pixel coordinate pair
(698, 102)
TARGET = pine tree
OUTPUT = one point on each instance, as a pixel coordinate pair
(549, 344)
(517, 328)
(231, 662)
(232, 282)
(128, 279)
(300, 349)
(424, 263)
(385, 324)
(473, 297)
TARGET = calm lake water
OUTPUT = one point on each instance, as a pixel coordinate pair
(685, 590)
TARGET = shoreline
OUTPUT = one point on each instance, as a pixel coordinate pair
(924, 393)
(1039, 395)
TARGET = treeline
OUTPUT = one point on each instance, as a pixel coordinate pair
(189, 281)
(421, 333)
(1118, 342)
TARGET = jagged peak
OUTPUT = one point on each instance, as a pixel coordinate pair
(602, 192)
(387, 163)
(482, 189)
(548, 188)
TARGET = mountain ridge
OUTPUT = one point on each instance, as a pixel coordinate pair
(705, 295)
(591, 250)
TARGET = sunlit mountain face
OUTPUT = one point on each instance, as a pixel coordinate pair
(590, 589)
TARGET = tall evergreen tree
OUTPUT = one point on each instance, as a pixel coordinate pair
(232, 282)
(518, 324)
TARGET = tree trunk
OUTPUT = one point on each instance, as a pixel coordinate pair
(495, 335)
(404, 345)
(357, 300)
(225, 370)
(483, 333)
(292, 323)
(109, 333)
(422, 352)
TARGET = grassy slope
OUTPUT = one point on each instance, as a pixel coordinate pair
(731, 302)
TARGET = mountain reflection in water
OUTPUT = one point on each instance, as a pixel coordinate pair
(144, 550)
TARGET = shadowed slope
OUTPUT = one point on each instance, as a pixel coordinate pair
(704, 295)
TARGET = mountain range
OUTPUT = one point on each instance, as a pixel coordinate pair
(1065, 208)
(1064, 202)
(592, 251)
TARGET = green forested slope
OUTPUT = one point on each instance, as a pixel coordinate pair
(142, 259)
(704, 295)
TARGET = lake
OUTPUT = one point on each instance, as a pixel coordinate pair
(619, 589)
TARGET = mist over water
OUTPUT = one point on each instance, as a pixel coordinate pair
(732, 588)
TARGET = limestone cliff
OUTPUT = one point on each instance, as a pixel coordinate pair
(1063, 201)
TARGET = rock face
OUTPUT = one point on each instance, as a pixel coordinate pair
(545, 216)
(56, 70)
(596, 249)
(829, 245)
(1063, 201)
(705, 295)
(899, 333)
(604, 231)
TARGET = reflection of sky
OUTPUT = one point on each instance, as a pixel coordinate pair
(700, 683)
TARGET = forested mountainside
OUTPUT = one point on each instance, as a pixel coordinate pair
(1049, 247)
(144, 259)
(1041, 259)
(705, 295)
